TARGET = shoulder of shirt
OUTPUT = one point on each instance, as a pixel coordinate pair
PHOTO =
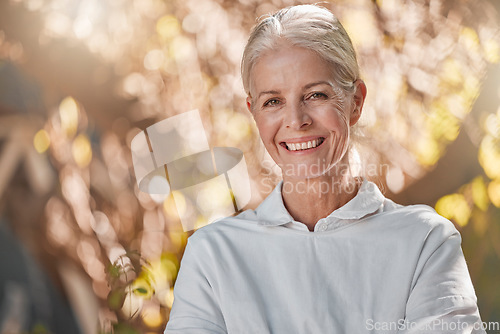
(419, 216)
(243, 221)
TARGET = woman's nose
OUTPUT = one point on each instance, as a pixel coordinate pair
(296, 117)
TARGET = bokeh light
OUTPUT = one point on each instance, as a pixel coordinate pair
(68, 112)
(41, 141)
(454, 207)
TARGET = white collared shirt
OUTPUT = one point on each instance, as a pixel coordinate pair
(369, 200)
(371, 266)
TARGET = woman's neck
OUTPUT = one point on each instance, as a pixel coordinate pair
(310, 199)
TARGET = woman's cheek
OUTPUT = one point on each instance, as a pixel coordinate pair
(341, 143)
(266, 129)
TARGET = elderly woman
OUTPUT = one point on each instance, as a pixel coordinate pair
(325, 252)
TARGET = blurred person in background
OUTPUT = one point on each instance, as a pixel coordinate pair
(325, 252)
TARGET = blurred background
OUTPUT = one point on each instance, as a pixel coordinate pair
(83, 250)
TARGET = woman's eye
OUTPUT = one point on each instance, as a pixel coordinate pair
(318, 95)
(271, 103)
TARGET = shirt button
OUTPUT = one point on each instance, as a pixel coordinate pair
(323, 227)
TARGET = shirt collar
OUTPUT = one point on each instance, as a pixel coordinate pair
(272, 211)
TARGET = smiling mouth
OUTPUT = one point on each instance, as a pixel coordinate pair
(304, 145)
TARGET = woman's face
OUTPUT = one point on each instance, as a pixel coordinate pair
(302, 116)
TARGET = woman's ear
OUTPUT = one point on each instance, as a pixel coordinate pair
(249, 103)
(359, 100)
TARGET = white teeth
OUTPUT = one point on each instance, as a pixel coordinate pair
(304, 145)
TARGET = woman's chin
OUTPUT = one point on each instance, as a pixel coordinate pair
(304, 172)
(311, 170)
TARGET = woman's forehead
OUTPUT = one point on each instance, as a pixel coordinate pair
(290, 66)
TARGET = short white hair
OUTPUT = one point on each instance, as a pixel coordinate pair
(308, 26)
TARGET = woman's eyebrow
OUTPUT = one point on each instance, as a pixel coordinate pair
(309, 85)
(267, 92)
(312, 84)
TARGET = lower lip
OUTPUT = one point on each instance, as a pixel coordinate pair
(300, 152)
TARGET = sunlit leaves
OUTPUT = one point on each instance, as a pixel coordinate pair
(142, 287)
(68, 112)
(439, 53)
(454, 207)
(167, 27)
(427, 151)
(124, 328)
(480, 193)
(152, 316)
(494, 192)
(362, 35)
(238, 128)
(464, 205)
(492, 124)
(443, 124)
(469, 38)
(124, 270)
(182, 49)
(154, 60)
(116, 298)
(492, 51)
(41, 141)
(489, 156)
(82, 150)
